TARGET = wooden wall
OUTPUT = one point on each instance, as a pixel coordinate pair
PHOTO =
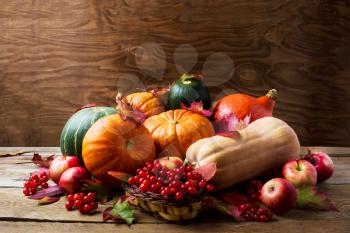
(56, 55)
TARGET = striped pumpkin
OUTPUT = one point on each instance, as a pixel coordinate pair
(76, 127)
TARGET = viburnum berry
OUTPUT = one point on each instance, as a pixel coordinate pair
(188, 168)
(253, 213)
(179, 196)
(69, 205)
(210, 188)
(26, 192)
(32, 191)
(202, 184)
(44, 185)
(192, 190)
(78, 203)
(143, 187)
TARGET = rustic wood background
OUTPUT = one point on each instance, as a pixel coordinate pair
(56, 55)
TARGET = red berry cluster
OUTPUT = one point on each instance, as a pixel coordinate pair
(178, 182)
(251, 212)
(35, 183)
(85, 203)
(254, 189)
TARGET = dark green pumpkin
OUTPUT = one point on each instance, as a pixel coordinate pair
(187, 89)
(76, 127)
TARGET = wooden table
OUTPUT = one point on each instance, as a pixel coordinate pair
(18, 214)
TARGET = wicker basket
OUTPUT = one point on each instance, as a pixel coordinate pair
(164, 207)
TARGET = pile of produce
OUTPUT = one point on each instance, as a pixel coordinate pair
(174, 154)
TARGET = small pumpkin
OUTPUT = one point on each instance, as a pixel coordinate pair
(76, 127)
(147, 102)
(266, 144)
(117, 143)
(175, 130)
(187, 89)
(243, 106)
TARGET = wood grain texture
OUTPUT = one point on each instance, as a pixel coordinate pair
(56, 55)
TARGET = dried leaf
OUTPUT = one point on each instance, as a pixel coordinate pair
(119, 175)
(191, 76)
(101, 192)
(231, 123)
(48, 200)
(86, 106)
(197, 107)
(310, 198)
(49, 192)
(40, 161)
(224, 207)
(127, 112)
(120, 211)
(235, 198)
(207, 171)
(159, 91)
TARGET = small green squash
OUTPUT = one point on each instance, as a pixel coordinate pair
(187, 89)
(76, 127)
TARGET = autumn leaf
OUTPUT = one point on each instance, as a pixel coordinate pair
(224, 207)
(197, 107)
(49, 192)
(96, 186)
(231, 123)
(310, 198)
(207, 171)
(119, 175)
(126, 111)
(48, 200)
(121, 211)
(40, 161)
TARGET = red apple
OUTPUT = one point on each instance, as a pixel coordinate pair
(60, 165)
(323, 164)
(300, 173)
(70, 181)
(279, 195)
(171, 162)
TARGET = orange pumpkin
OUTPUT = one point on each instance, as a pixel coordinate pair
(115, 144)
(146, 102)
(175, 130)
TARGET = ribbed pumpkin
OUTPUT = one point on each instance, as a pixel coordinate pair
(76, 127)
(175, 130)
(115, 144)
(187, 89)
(146, 102)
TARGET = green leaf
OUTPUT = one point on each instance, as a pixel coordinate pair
(310, 198)
(120, 211)
(101, 192)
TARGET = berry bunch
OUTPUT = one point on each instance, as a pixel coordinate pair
(250, 212)
(35, 183)
(84, 202)
(177, 182)
(254, 189)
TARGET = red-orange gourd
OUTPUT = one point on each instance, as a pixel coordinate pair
(175, 130)
(242, 105)
(146, 102)
(115, 144)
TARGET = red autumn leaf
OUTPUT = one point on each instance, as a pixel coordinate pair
(235, 198)
(119, 175)
(127, 112)
(49, 192)
(94, 185)
(40, 161)
(230, 134)
(86, 106)
(231, 123)
(207, 171)
(48, 200)
(310, 198)
(197, 107)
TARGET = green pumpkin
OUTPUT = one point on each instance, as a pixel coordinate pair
(187, 89)
(76, 127)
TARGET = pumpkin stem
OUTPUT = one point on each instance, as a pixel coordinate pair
(185, 77)
(272, 94)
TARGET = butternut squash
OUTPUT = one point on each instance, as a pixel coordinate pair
(265, 144)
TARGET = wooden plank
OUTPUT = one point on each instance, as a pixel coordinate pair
(58, 55)
(288, 226)
(14, 206)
